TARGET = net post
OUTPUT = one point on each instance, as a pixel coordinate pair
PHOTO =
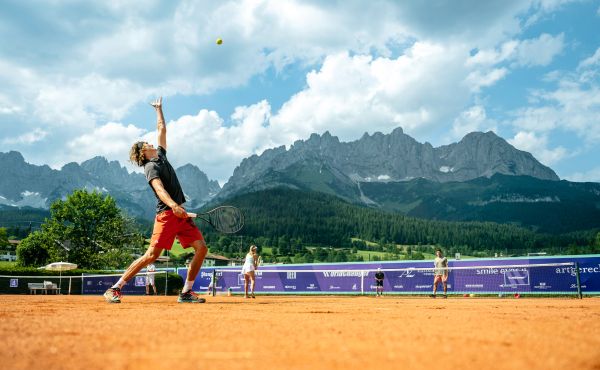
(362, 283)
(214, 282)
(578, 281)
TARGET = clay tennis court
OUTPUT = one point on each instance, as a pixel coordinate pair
(75, 332)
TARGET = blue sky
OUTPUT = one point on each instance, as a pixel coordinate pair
(76, 76)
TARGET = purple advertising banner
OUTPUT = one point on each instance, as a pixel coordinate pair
(409, 277)
(97, 284)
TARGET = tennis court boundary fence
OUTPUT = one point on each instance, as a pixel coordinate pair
(85, 283)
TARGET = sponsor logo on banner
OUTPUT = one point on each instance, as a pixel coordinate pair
(311, 287)
(473, 285)
(407, 273)
(14, 283)
(290, 287)
(335, 274)
(333, 287)
(423, 286)
(582, 270)
(542, 286)
(354, 287)
(291, 275)
(268, 286)
(140, 281)
(399, 286)
(204, 274)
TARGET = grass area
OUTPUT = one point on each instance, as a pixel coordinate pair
(5, 264)
(370, 254)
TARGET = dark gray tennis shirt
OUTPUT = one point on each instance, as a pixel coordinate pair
(161, 168)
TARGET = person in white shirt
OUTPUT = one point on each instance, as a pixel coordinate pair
(440, 272)
(150, 279)
(250, 266)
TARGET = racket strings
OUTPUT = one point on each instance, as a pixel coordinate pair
(226, 219)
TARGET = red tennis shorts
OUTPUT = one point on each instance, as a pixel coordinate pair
(167, 226)
(440, 279)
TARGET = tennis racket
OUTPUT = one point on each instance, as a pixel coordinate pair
(225, 219)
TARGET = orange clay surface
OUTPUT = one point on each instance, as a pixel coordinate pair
(84, 332)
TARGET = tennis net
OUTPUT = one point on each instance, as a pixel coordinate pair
(523, 279)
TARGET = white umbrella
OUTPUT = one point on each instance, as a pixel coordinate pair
(61, 266)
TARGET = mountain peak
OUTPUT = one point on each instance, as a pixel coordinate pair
(12, 156)
(326, 164)
(23, 182)
(478, 135)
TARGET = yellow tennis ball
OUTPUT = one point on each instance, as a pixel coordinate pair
(219, 41)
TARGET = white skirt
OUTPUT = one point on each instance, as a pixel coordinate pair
(247, 268)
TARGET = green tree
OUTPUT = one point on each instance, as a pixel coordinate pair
(3, 238)
(37, 250)
(87, 229)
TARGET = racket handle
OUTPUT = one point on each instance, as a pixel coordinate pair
(192, 215)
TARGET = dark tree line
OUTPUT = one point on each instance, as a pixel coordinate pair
(323, 220)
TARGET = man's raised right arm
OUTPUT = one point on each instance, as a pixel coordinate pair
(161, 127)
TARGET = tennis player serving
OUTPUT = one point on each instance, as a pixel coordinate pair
(171, 218)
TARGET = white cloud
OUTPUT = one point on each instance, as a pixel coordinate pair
(353, 94)
(540, 51)
(590, 62)
(10, 110)
(112, 141)
(478, 79)
(538, 146)
(488, 57)
(592, 175)
(470, 120)
(573, 105)
(27, 138)
(205, 140)
(82, 102)
(410, 68)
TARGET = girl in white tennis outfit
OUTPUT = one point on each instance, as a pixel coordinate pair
(250, 265)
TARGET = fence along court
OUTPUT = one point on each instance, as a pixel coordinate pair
(557, 276)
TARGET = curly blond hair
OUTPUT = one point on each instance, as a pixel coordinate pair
(136, 155)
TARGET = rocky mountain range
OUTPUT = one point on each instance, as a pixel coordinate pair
(23, 184)
(323, 163)
(482, 177)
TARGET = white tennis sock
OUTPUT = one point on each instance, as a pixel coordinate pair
(119, 284)
(188, 286)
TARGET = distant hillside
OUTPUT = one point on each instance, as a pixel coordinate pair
(547, 206)
(321, 219)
